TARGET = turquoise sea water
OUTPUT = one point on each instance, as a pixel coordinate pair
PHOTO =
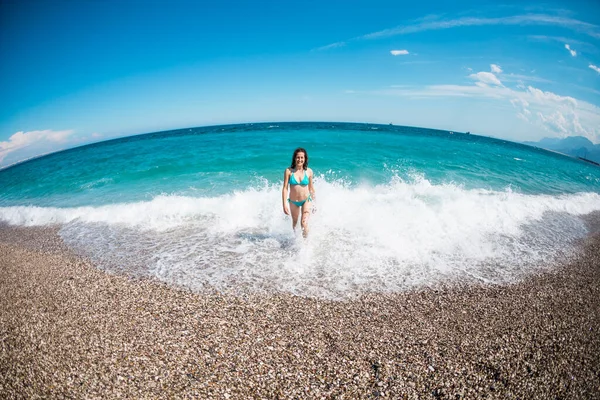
(398, 207)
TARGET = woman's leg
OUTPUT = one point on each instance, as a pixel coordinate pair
(295, 211)
(306, 208)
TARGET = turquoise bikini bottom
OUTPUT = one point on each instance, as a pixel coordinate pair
(300, 203)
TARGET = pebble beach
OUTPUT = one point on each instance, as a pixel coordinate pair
(69, 330)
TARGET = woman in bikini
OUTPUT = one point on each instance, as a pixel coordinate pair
(299, 179)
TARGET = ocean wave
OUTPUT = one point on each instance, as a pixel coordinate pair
(397, 204)
(382, 238)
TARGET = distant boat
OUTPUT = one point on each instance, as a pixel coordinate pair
(590, 161)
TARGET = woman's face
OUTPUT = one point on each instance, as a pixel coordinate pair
(300, 157)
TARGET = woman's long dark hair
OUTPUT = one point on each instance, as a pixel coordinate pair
(298, 150)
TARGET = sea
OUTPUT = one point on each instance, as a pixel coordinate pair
(397, 208)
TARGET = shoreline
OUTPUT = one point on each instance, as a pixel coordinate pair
(68, 329)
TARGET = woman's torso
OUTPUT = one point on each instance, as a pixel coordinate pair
(298, 182)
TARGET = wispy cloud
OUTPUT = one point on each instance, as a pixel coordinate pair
(561, 39)
(496, 69)
(584, 46)
(573, 52)
(399, 52)
(527, 19)
(22, 140)
(592, 66)
(586, 88)
(331, 46)
(436, 23)
(524, 78)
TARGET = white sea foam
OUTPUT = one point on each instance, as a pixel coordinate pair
(367, 238)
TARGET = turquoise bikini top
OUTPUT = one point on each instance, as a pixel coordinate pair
(303, 182)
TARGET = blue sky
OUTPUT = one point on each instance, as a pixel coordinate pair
(75, 72)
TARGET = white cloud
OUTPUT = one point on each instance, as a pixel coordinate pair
(562, 123)
(573, 52)
(523, 117)
(486, 78)
(399, 52)
(559, 115)
(519, 102)
(496, 69)
(592, 66)
(555, 113)
(22, 140)
(549, 96)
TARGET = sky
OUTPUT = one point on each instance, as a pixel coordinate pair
(76, 72)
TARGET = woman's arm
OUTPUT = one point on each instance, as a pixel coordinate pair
(284, 192)
(311, 187)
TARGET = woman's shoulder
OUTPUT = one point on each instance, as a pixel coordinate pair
(309, 171)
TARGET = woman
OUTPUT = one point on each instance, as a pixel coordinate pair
(299, 178)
